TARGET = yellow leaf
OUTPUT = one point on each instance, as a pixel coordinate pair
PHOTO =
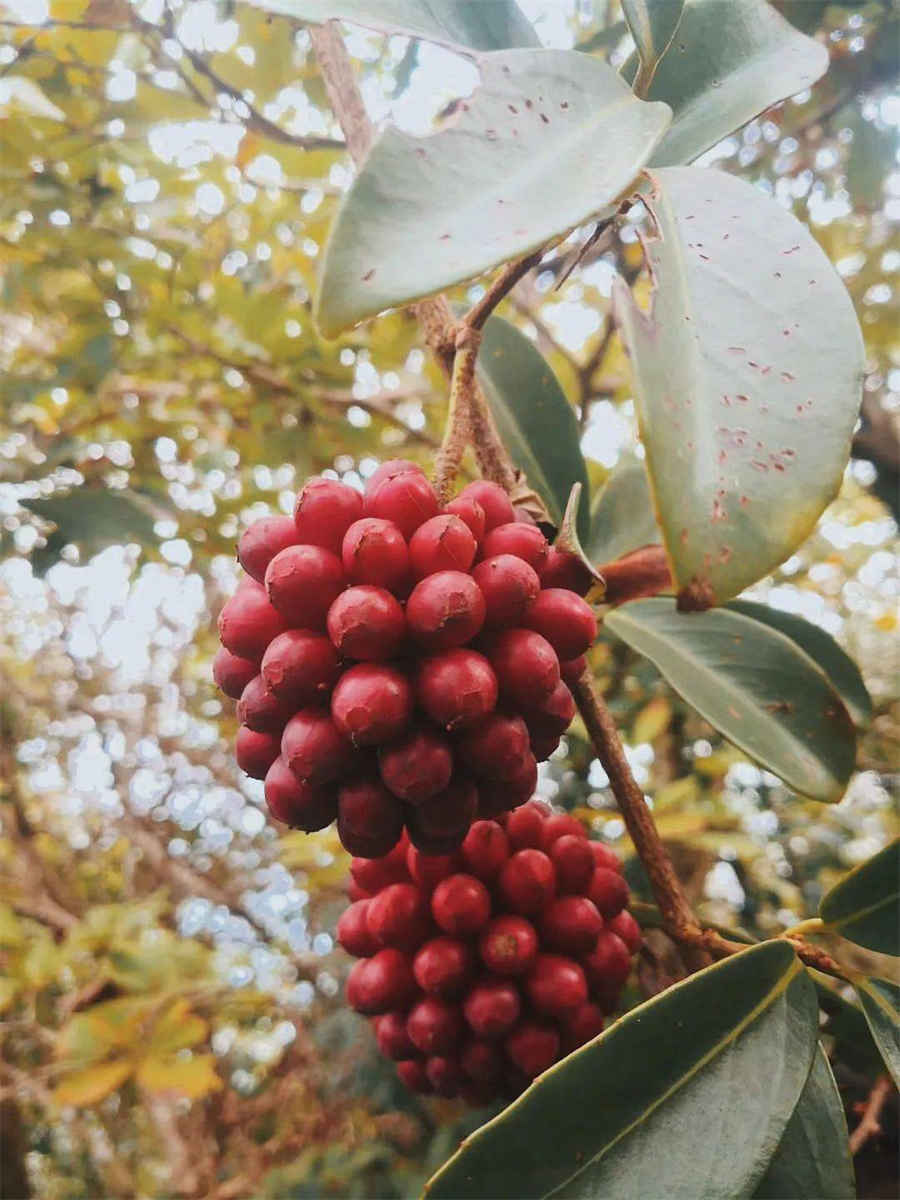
(678, 793)
(114, 1024)
(11, 935)
(177, 1029)
(192, 1077)
(652, 720)
(715, 765)
(93, 1084)
(9, 989)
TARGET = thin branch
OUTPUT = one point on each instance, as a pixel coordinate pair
(457, 433)
(505, 280)
(870, 1122)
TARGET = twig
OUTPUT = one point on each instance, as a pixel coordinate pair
(505, 281)
(870, 1123)
(457, 432)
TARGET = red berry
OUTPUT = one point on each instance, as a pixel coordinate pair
(609, 891)
(261, 541)
(370, 819)
(525, 827)
(543, 747)
(448, 814)
(492, 1007)
(477, 1095)
(571, 669)
(564, 619)
(445, 543)
(300, 667)
(485, 850)
(608, 965)
(381, 983)
(392, 1038)
(366, 623)
(524, 541)
(556, 985)
(498, 796)
(353, 931)
(444, 1075)
(526, 665)
(303, 582)
(231, 673)
(496, 746)
(574, 863)
(626, 927)
(418, 766)
(432, 845)
(260, 710)
(428, 870)
(388, 469)
(375, 552)
(412, 1075)
(373, 874)
(457, 687)
(481, 1061)
(553, 716)
(470, 511)
(407, 499)
(398, 916)
(509, 585)
(434, 1025)
(532, 1047)
(314, 748)
(508, 945)
(605, 856)
(324, 511)
(461, 905)
(581, 1026)
(442, 966)
(565, 570)
(255, 752)
(248, 622)
(299, 805)
(571, 925)
(561, 825)
(372, 704)
(445, 610)
(498, 509)
(528, 882)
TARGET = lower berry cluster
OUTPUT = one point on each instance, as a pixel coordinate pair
(481, 968)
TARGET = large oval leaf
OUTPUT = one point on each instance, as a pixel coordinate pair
(534, 418)
(622, 516)
(753, 684)
(864, 905)
(728, 61)
(487, 25)
(550, 137)
(812, 1161)
(881, 1003)
(842, 672)
(748, 374)
(731, 1044)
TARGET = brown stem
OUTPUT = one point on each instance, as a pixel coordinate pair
(456, 436)
(505, 281)
(870, 1122)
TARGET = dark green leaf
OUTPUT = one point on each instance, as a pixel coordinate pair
(622, 517)
(753, 684)
(847, 1026)
(91, 519)
(881, 1003)
(812, 1161)
(864, 905)
(653, 24)
(733, 1044)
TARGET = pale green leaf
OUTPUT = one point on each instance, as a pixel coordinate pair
(622, 517)
(652, 24)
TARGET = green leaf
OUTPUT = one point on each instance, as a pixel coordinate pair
(753, 684)
(847, 1026)
(863, 906)
(733, 1045)
(92, 519)
(534, 418)
(622, 517)
(652, 24)
(728, 61)
(841, 671)
(518, 168)
(880, 1001)
(487, 25)
(748, 374)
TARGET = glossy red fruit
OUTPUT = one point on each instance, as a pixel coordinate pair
(543, 747)
(314, 748)
(435, 1026)
(461, 905)
(626, 927)
(561, 825)
(498, 509)
(427, 870)
(261, 541)
(445, 543)
(231, 673)
(524, 541)
(509, 585)
(445, 610)
(412, 1075)
(605, 856)
(492, 1007)
(303, 582)
(255, 752)
(248, 622)
(571, 857)
(417, 766)
(470, 511)
(608, 965)
(553, 716)
(571, 669)
(481, 1061)
(324, 511)
(485, 850)
(407, 499)
(581, 1026)
(457, 687)
(609, 891)
(392, 1038)
(571, 925)
(556, 984)
(564, 619)
(444, 1075)
(496, 746)
(525, 826)
(508, 945)
(353, 931)
(374, 874)
(366, 623)
(525, 664)
(448, 814)
(442, 966)
(533, 1047)
(498, 796)
(398, 916)
(261, 710)
(372, 703)
(381, 983)
(370, 819)
(300, 667)
(375, 552)
(299, 805)
(390, 468)
(564, 570)
(528, 882)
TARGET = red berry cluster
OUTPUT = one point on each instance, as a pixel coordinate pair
(483, 967)
(397, 665)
